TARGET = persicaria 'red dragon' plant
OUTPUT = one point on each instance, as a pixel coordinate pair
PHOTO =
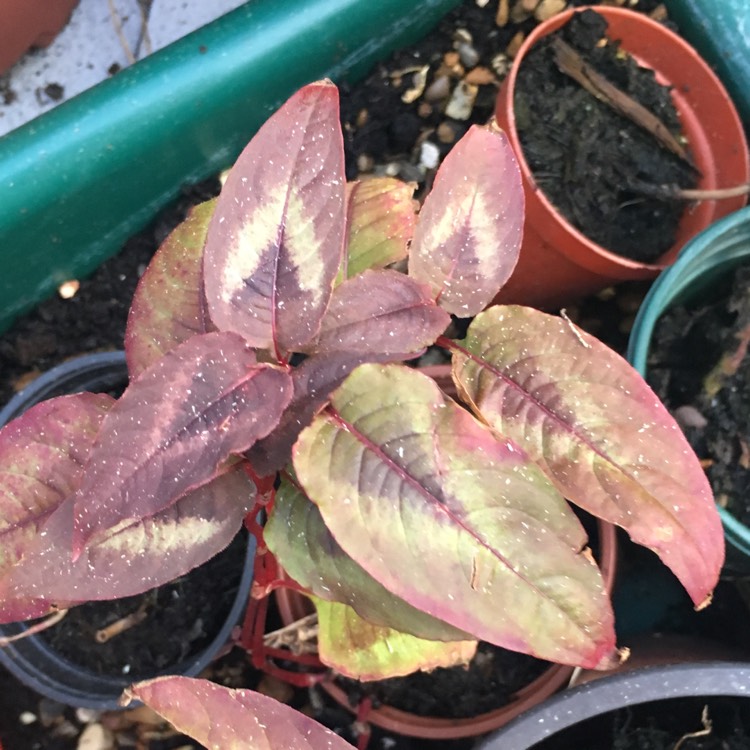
(264, 348)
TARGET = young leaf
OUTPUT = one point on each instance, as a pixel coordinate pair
(224, 719)
(380, 225)
(383, 312)
(451, 519)
(135, 559)
(276, 239)
(309, 554)
(598, 431)
(168, 306)
(173, 428)
(42, 454)
(358, 649)
(469, 230)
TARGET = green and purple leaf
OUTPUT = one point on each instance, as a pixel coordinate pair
(276, 239)
(174, 428)
(360, 650)
(469, 230)
(168, 306)
(381, 312)
(137, 558)
(456, 522)
(598, 431)
(42, 457)
(381, 220)
(224, 719)
(309, 554)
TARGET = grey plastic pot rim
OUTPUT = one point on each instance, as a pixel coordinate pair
(566, 709)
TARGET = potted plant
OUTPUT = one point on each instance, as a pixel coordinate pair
(706, 264)
(24, 25)
(98, 649)
(574, 264)
(264, 349)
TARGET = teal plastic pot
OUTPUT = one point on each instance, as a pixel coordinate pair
(720, 31)
(78, 181)
(704, 260)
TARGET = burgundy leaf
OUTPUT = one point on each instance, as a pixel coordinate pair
(224, 719)
(469, 230)
(276, 239)
(146, 554)
(384, 312)
(42, 455)
(168, 306)
(597, 430)
(173, 428)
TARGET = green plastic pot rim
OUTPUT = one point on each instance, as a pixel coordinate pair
(676, 280)
(598, 259)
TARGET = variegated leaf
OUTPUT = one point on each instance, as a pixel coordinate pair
(381, 219)
(309, 554)
(456, 522)
(168, 306)
(224, 719)
(598, 431)
(358, 649)
(146, 554)
(383, 312)
(172, 430)
(469, 230)
(276, 239)
(42, 455)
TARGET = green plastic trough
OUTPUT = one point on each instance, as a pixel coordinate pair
(77, 182)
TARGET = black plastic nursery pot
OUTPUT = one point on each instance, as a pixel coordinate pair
(31, 659)
(668, 699)
(76, 182)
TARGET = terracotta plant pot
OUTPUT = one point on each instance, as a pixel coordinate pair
(294, 606)
(583, 717)
(558, 264)
(25, 24)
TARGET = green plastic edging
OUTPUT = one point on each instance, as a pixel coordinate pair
(709, 255)
(720, 31)
(78, 181)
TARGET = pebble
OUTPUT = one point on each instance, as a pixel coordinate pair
(87, 715)
(500, 64)
(365, 163)
(27, 718)
(445, 133)
(468, 55)
(461, 102)
(549, 8)
(439, 89)
(503, 13)
(96, 737)
(689, 416)
(480, 76)
(515, 44)
(429, 155)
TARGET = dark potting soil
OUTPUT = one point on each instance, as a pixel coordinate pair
(591, 161)
(489, 682)
(181, 619)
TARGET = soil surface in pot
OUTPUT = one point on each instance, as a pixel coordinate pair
(489, 682)
(594, 164)
(180, 619)
(699, 366)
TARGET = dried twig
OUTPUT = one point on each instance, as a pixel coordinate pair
(117, 23)
(574, 329)
(707, 727)
(38, 628)
(573, 65)
(675, 192)
(298, 636)
(124, 623)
